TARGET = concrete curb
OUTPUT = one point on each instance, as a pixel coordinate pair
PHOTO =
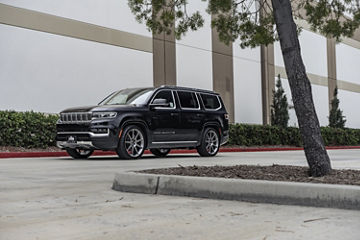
(287, 193)
(175, 151)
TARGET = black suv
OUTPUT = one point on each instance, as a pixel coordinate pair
(132, 120)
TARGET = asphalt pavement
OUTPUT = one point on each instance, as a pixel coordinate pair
(62, 198)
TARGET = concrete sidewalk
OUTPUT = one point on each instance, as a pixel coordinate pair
(62, 198)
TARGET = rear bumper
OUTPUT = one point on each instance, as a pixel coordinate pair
(224, 138)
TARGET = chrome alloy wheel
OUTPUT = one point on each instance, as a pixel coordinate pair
(134, 142)
(211, 142)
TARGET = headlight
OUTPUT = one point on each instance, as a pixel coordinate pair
(97, 115)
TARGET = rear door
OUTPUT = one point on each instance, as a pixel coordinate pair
(191, 117)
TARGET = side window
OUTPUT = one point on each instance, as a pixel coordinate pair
(167, 95)
(188, 99)
(210, 101)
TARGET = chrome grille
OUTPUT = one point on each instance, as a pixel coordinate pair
(75, 117)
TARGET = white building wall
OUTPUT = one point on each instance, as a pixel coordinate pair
(314, 54)
(320, 97)
(347, 63)
(47, 73)
(349, 102)
(292, 115)
(321, 101)
(313, 50)
(194, 53)
(110, 13)
(247, 85)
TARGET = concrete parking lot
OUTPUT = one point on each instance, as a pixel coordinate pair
(62, 198)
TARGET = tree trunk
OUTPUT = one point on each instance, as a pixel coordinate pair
(316, 155)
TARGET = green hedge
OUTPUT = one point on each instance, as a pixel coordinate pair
(37, 130)
(27, 129)
(255, 135)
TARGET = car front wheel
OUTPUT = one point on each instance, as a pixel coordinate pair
(210, 143)
(132, 143)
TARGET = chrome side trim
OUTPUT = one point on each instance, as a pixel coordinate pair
(174, 142)
(90, 133)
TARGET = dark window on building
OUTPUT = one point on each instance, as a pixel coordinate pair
(166, 95)
(210, 101)
(188, 99)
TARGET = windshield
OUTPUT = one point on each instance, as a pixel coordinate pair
(128, 96)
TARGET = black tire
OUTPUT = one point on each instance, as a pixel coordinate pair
(160, 152)
(210, 143)
(131, 143)
(79, 153)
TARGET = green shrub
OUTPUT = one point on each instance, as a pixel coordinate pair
(37, 130)
(255, 135)
(27, 129)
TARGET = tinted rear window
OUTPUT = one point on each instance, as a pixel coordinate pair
(210, 101)
(188, 99)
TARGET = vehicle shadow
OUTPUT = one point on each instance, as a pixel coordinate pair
(143, 158)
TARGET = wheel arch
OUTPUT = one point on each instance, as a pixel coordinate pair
(212, 124)
(131, 120)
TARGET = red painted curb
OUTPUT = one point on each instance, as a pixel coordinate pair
(176, 151)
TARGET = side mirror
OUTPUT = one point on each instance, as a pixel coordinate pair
(159, 102)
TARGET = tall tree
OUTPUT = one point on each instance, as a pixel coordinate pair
(336, 118)
(279, 107)
(252, 21)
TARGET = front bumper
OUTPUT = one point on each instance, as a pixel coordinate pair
(80, 145)
(87, 136)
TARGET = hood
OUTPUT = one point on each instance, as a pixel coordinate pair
(98, 108)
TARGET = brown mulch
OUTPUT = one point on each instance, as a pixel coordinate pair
(21, 149)
(271, 173)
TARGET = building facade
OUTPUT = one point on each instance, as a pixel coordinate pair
(57, 54)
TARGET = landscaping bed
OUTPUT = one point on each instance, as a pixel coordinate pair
(271, 173)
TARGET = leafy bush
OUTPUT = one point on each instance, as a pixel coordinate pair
(255, 135)
(27, 129)
(37, 130)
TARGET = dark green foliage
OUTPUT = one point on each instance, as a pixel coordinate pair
(166, 12)
(37, 130)
(336, 118)
(27, 129)
(258, 135)
(279, 107)
(250, 21)
(331, 18)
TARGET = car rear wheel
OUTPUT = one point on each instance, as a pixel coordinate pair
(210, 143)
(79, 153)
(132, 143)
(160, 152)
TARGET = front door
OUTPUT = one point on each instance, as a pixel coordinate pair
(165, 121)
